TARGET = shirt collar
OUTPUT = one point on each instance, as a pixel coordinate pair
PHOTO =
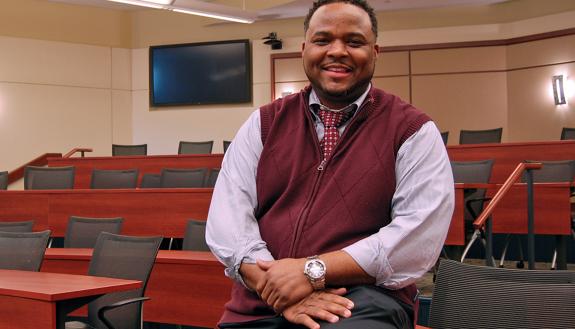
(314, 100)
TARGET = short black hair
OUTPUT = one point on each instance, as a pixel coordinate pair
(359, 3)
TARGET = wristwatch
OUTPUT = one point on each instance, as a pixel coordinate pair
(314, 269)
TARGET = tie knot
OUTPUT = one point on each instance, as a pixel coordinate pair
(333, 119)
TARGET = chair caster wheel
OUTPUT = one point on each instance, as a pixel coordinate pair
(520, 264)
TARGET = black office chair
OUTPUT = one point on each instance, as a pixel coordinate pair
(445, 136)
(471, 172)
(23, 251)
(183, 178)
(25, 226)
(480, 136)
(551, 172)
(151, 181)
(123, 257)
(226, 145)
(3, 180)
(567, 133)
(212, 177)
(82, 232)
(127, 150)
(478, 297)
(48, 178)
(195, 147)
(195, 237)
(114, 179)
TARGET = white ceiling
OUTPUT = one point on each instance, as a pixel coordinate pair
(285, 9)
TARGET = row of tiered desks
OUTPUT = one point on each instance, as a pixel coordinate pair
(552, 201)
(186, 287)
(189, 287)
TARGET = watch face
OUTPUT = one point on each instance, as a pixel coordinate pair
(315, 269)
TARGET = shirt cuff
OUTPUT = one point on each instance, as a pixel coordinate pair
(234, 272)
(371, 258)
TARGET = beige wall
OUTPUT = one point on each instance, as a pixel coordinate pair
(55, 96)
(77, 75)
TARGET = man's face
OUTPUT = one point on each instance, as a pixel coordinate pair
(339, 53)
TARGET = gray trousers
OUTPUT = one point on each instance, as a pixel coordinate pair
(373, 309)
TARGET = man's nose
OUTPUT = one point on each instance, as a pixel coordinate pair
(337, 48)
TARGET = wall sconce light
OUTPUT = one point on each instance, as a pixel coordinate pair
(559, 90)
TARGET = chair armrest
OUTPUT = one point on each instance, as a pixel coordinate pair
(102, 311)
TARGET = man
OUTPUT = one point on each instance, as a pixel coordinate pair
(333, 201)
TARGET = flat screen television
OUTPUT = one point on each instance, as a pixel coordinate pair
(201, 73)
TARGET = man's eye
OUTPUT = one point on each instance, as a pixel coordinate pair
(320, 42)
(355, 43)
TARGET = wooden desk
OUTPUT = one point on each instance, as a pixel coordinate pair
(551, 206)
(186, 287)
(33, 300)
(145, 212)
(508, 155)
(146, 164)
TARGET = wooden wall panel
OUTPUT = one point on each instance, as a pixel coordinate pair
(541, 52)
(463, 101)
(398, 86)
(392, 63)
(458, 60)
(533, 115)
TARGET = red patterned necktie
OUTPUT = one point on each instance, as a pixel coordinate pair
(331, 121)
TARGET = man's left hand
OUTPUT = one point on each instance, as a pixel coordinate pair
(284, 282)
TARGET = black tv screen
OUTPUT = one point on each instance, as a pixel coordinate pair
(201, 73)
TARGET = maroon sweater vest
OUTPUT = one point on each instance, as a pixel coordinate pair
(304, 209)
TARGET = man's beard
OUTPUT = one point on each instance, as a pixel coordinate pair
(345, 96)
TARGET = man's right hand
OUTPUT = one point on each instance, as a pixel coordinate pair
(327, 305)
(251, 274)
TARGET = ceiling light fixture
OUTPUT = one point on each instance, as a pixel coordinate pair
(140, 3)
(195, 7)
(212, 15)
(161, 2)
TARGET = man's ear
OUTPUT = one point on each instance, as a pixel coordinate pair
(302, 46)
(376, 49)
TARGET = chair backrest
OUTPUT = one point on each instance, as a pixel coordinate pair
(25, 226)
(23, 250)
(113, 179)
(195, 147)
(480, 136)
(567, 133)
(151, 181)
(445, 137)
(82, 232)
(553, 171)
(195, 237)
(123, 257)
(48, 178)
(183, 177)
(469, 296)
(3, 180)
(226, 145)
(119, 150)
(472, 172)
(212, 177)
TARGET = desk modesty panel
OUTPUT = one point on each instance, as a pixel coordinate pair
(508, 155)
(145, 211)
